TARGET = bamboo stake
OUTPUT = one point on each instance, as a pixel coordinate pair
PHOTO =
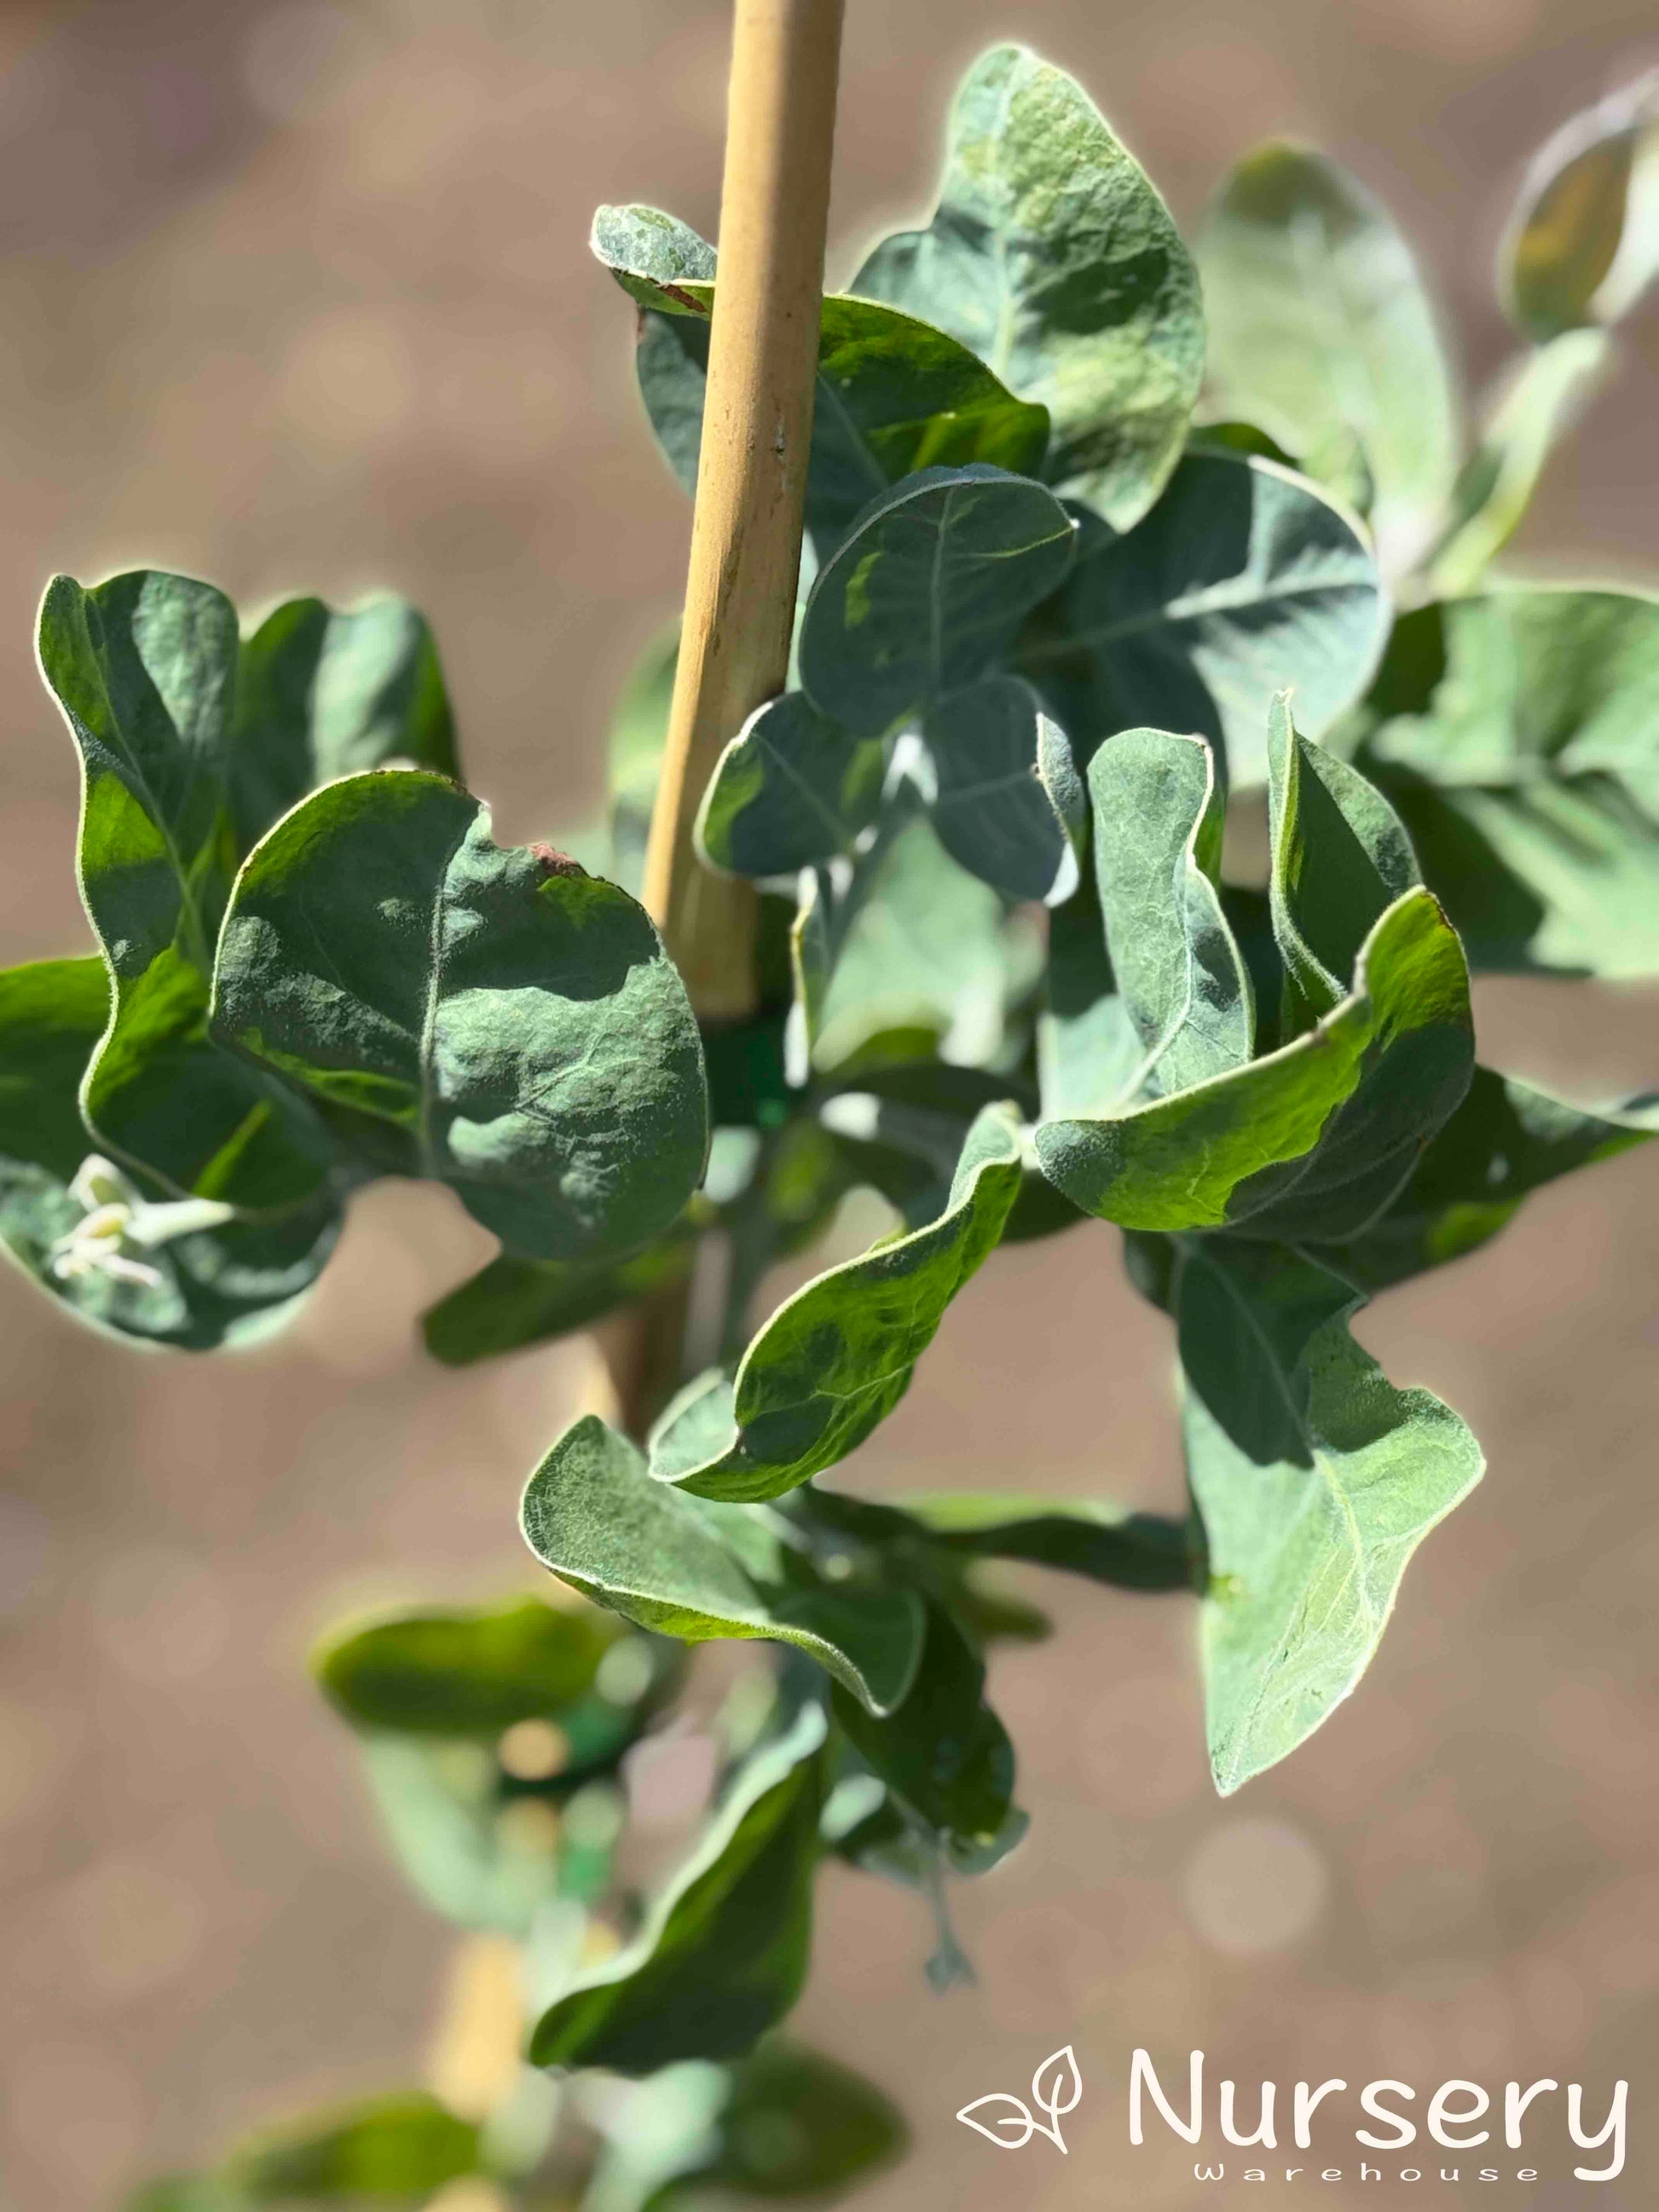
(746, 551)
(751, 476)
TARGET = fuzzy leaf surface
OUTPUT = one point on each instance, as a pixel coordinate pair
(1515, 734)
(834, 1360)
(1310, 1141)
(1052, 256)
(232, 1283)
(594, 1516)
(1158, 825)
(1004, 795)
(1340, 858)
(1243, 580)
(926, 591)
(893, 393)
(143, 669)
(321, 694)
(723, 1952)
(791, 789)
(1505, 1140)
(1321, 331)
(493, 1019)
(1316, 1480)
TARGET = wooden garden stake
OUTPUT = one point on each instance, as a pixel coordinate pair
(751, 478)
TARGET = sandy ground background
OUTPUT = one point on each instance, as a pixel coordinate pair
(297, 297)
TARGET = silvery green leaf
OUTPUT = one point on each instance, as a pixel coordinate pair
(1158, 824)
(511, 1303)
(1004, 792)
(321, 694)
(1583, 244)
(494, 1019)
(723, 1951)
(1316, 1480)
(144, 671)
(1505, 1140)
(943, 1751)
(1539, 405)
(117, 1249)
(925, 593)
(792, 789)
(1310, 1141)
(904, 939)
(595, 1517)
(1053, 257)
(1340, 857)
(894, 394)
(834, 1360)
(1321, 331)
(1514, 731)
(1088, 1053)
(1243, 580)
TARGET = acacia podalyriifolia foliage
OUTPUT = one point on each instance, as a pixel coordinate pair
(1109, 540)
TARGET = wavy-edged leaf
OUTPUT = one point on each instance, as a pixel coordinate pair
(791, 789)
(1316, 1480)
(1514, 731)
(594, 1516)
(723, 1953)
(943, 1751)
(894, 394)
(1004, 792)
(926, 591)
(834, 1360)
(1340, 858)
(1505, 1140)
(1052, 255)
(1312, 1139)
(321, 694)
(1243, 578)
(1539, 405)
(117, 1249)
(1583, 244)
(1322, 332)
(512, 1303)
(1158, 824)
(386, 2150)
(495, 1019)
(143, 669)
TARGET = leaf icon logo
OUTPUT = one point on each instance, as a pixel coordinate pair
(1009, 2122)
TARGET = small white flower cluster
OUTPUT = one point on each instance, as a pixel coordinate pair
(118, 1222)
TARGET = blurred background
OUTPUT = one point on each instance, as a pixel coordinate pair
(296, 296)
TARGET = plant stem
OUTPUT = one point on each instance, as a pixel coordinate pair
(745, 535)
(751, 475)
